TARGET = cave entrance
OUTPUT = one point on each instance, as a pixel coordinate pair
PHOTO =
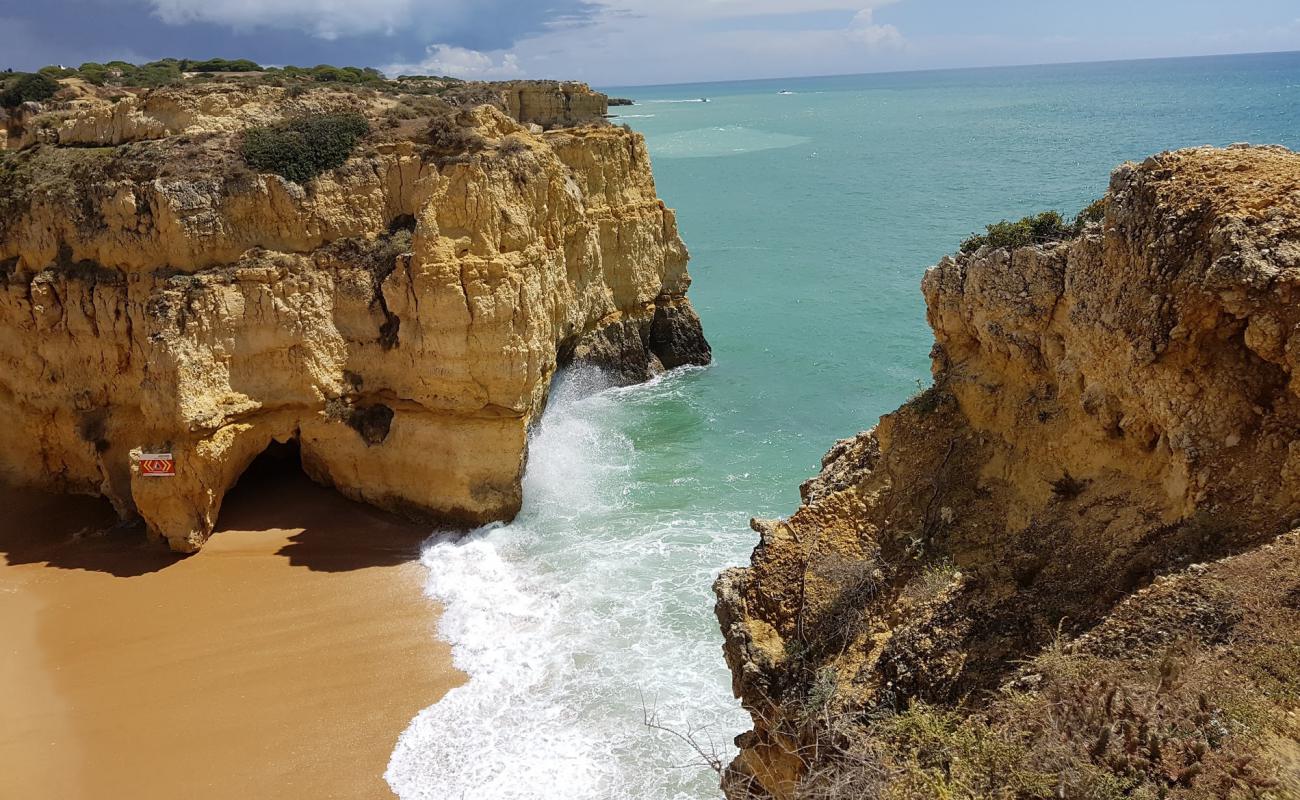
(311, 525)
(271, 492)
(280, 461)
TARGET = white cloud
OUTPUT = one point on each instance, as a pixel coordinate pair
(638, 41)
(621, 41)
(461, 62)
(865, 30)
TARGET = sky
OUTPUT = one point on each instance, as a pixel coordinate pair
(631, 42)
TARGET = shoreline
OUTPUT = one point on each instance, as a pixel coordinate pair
(284, 659)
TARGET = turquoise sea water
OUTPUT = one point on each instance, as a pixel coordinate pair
(811, 217)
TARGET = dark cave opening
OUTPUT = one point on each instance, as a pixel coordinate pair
(278, 463)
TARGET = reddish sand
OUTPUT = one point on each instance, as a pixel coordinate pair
(281, 661)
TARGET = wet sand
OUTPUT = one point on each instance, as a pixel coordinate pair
(281, 661)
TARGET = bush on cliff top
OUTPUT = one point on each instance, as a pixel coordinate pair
(327, 73)
(221, 65)
(28, 87)
(185, 71)
(166, 72)
(303, 148)
(1048, 226)
(174, 71)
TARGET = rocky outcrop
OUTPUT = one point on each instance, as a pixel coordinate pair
(81, 115)
(553, 103)
(401, 317)
(1060, 563)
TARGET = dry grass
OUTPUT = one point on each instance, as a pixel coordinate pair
(1149, 705)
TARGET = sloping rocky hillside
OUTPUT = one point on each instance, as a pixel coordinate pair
(1065, 570)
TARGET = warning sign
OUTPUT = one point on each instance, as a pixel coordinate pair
(157, 465)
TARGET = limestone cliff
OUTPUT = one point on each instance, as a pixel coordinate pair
(552, 103)
(1058, 572)
(82, 114)
(400, 316)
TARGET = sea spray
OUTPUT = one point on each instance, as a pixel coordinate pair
(806, 273)
(570, 621)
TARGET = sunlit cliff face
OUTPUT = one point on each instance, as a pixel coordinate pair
(400, 317)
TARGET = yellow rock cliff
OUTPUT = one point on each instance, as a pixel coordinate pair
(1071, 538)
(400, 317)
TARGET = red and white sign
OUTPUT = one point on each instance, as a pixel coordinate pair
(157, 465)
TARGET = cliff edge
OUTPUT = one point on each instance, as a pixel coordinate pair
(400, 315)
(1066, 570)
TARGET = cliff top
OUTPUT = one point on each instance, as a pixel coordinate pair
(1240, 181)
(1066, 568)
(389, 278)
(116, 76)
(76, 110)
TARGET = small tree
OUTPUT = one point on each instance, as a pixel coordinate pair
(1049, 226)
(30, 87)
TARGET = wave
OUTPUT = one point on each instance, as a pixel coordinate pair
(724, 140)
(565, 619)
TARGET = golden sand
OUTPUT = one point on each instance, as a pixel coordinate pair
(281, 661)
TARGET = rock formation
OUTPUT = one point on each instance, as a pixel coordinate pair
(81, 115)
(1064, 570)
(401, 317)
(552, 103)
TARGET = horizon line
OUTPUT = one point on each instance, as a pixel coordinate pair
(922, 70)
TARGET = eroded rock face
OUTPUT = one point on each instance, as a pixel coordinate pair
(1105, 410)
(80, 115)
(553, 103)
(401, 317)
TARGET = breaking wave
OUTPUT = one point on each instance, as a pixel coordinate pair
(592, 605)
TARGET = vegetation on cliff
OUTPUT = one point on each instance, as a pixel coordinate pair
(1042, 228)
(19, 89)
(179, 71)
(302, 148)
(1068, 569)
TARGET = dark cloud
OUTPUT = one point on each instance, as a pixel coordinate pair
(73, 31)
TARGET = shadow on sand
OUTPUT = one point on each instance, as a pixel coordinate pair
(329, 533)
(73, 532)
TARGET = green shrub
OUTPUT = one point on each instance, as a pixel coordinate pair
(449, 137)
(1093, 213)
(28, 87)
(303, 148)
(221, 65)
(327, 73)
(93, 72)
(158, 73)
(57, 72)
(1049, 226)
(171, 71)
(121, 73)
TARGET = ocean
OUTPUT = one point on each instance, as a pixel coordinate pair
(811, 206)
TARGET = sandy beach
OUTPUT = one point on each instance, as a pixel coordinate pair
(283, 660)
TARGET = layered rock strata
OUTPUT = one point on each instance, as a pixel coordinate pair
(86, 115)
(552, 103)
(400, 317)
(1070, 538)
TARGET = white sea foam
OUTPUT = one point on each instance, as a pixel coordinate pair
(721, 140)
(564, 621)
